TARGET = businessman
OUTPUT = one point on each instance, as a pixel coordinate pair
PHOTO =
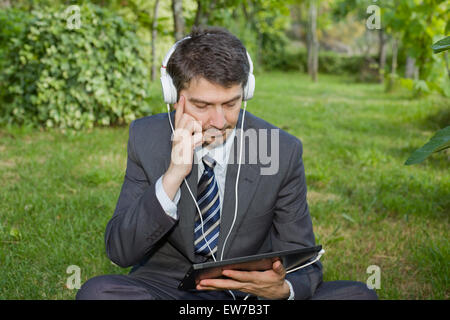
(160, 230)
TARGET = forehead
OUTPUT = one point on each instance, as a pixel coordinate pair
(202, 89)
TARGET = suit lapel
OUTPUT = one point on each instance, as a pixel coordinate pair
(187, 211)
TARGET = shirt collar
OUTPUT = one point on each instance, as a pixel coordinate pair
(219, 153)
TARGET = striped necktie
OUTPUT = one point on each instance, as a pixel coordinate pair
(209, 204)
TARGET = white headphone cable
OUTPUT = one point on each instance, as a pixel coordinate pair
(236, 189)
(237, 181)
(319, 255)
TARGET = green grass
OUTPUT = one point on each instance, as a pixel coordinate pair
(57, 191)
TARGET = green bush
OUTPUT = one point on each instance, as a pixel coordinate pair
(285, 60)
(54, 76)
(11, 25)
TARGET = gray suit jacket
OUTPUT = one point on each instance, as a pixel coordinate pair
(272, 215)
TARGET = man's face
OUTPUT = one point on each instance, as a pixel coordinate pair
(215, 107)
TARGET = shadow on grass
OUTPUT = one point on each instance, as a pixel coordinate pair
(438, 120)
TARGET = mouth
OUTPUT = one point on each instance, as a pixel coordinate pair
(215, 134)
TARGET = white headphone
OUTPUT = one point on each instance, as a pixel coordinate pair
(170, 92)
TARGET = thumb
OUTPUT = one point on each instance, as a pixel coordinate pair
(179, 110)
(278, 267)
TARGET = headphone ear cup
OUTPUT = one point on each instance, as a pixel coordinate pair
(168, 89)
(249, 89)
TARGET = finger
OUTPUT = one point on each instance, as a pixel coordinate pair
(183, 123)
(191, 125)
(278, 268)
(220, 284)
(179, 110)
(198, 127)
(242, 276)
(199, 287)
(197, 139)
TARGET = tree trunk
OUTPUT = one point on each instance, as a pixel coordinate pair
(204, 12)
(154, 35)
(249, 9)
(394, 56)
(382, 55)
(199, 17)
(313, 44)
(410, 67)
(5, 4)
(178, 20)
(393, 75)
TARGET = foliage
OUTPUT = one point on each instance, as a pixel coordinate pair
(441, 45)
(440, 141)
(10, 26)
(416, 24)
(55, 76)
(260, 24)
(295, 59)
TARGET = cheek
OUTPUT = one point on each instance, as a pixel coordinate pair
(197, 115)
(232, 117)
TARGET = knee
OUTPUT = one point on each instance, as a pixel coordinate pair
(93, 288)
(362, 292)
(344, 290)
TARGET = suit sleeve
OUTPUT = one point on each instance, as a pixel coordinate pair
(292, 227)
(139, 221)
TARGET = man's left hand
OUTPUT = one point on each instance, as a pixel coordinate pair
(269, 284)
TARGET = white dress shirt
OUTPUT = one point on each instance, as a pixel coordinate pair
(220, 154)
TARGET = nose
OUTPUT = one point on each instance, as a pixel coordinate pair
(217, 117)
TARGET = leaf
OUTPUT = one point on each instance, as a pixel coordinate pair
(441, 45)
(439, 142)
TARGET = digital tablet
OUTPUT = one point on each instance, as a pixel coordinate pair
(258, 262)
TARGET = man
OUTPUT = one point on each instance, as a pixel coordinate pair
(157, 226)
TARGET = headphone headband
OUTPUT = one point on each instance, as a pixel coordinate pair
(170, 92)
(170, 52)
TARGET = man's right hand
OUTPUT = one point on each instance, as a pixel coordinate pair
(187, 136)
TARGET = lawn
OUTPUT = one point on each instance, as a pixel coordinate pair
(57, 191)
